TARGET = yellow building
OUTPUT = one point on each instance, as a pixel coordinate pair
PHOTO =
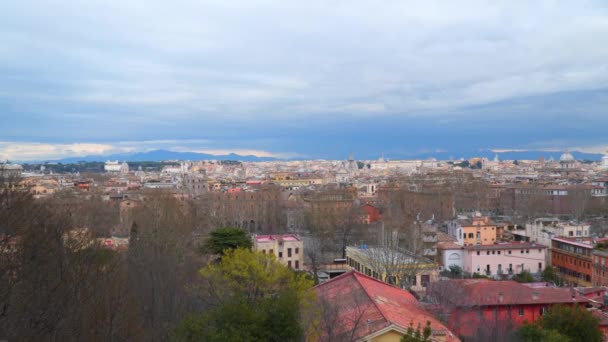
(480, 230)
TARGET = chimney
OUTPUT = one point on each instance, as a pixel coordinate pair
(535, 295)
(500, 297)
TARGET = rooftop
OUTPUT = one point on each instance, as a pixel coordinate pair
(365, 299)
(283, 237)
(483, 292)
(506, 245)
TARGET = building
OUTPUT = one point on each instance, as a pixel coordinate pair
(485, 310)
(356, 307)
(599, 276)
(571, 258)
(544, 229)
(479, 230)
(288, 248)
(10, 170)
(368, 214)
(393, 266)
(605, 161)
(502, 260)
(116, 167)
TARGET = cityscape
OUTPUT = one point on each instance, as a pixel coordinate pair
(323, 171)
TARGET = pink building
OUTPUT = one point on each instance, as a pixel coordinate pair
(504, 259)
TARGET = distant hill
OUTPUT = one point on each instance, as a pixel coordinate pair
(524, 155)
(161, 155)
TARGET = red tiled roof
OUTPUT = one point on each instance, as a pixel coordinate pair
(375, 305)
(483, 292)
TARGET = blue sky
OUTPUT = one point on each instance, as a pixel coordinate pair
(314, 79)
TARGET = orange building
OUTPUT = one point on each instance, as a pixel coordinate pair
(600, 268)
(571, 258)
(480, 230)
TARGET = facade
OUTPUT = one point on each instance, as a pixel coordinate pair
(544, 229)
(393, 267)
(10, 170)
(479, 230)
(450, 254)
(600, 267)
(484, 310)
(116, 167)
(571, 258)
(502, 260)
(288, 248)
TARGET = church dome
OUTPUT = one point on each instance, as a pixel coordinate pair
(567, 156)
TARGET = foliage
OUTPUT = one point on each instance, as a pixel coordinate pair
(549, 275)
(479, 276)
(418, 335)
(563, 323)
(523, 277)
(224, 239)
(253, 298)
(534, 333)
(453, 272)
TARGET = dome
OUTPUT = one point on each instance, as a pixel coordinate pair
(566, 156)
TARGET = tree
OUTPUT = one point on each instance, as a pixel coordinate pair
(224, 239)
(453, 272)
(252, 297)
(418, 335)
(563, 323)
(549, 275)
(523, 277)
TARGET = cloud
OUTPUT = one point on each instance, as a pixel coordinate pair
(288, 72)
(49, 151)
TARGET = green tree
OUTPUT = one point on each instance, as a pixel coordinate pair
(523, 277)
(252, 297)
(418, 335)
(561, 324)
(549, 275)
(224, 239)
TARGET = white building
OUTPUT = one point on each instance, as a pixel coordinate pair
(605, 161)
(544, 229)
(116, 167)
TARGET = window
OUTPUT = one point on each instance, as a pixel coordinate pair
(297, 250)
(280, 254)
(271, 252)
(289, 252)
(521, 311)
(289, 263)
(488, 252)
(493, 252)
(540, 266)
(522, 251)
(263, 251)
(527, 251)
(499, 252)
(478, 268)
(477, 252)
(509, 252)
(543, 310)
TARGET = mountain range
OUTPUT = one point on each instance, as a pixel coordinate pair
(163, 155)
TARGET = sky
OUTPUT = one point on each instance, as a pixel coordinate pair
(302, 79)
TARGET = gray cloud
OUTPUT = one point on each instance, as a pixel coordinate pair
(168, 66)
